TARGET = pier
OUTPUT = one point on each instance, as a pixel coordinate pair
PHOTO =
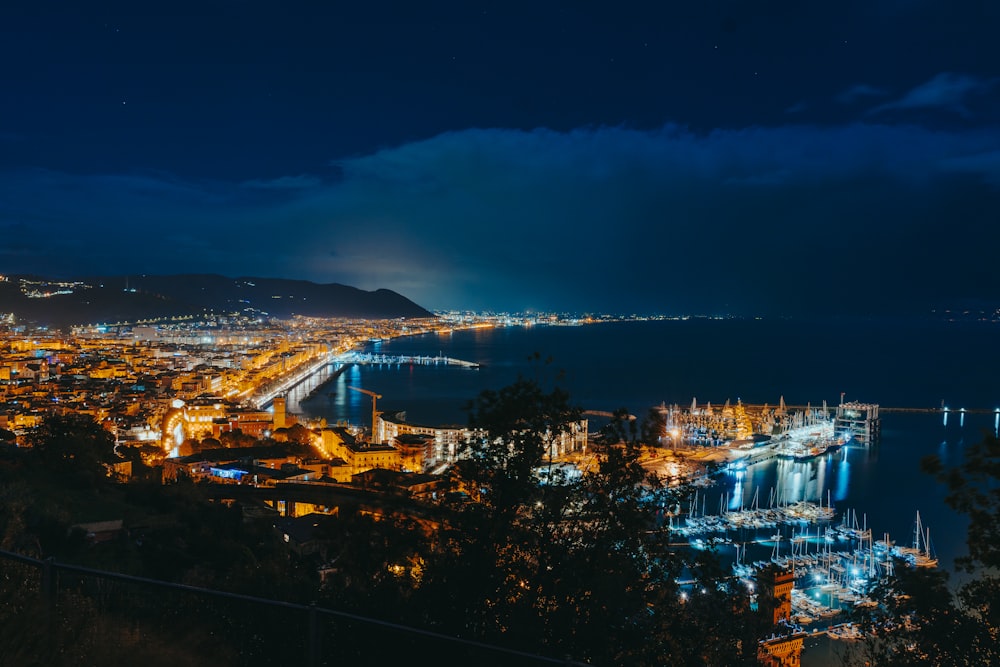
(333, 376)
(402, 360)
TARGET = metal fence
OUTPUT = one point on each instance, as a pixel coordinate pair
(59, 614)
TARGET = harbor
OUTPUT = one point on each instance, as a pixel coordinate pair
(832, 557)
(882, 479)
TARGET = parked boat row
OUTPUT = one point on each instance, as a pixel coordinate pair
(799, 512)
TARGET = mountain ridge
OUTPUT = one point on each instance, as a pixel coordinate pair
(107, 299)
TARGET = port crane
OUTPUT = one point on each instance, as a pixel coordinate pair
(375, 397)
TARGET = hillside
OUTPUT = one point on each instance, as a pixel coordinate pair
(100, 299)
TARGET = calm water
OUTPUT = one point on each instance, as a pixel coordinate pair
(641, 364)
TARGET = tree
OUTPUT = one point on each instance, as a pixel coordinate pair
(300, 435)
(516, 425)
(210, 443)
(576, 568)
(236, 438)
(654, 427)
(974, 490)
(73, 445)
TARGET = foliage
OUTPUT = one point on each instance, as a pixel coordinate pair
(73, 446)
(575, 568)
(919, 623)
(373, 564)
(654, 428)
(237, 438)
(299, 434)
(974, 490)
(920, 620)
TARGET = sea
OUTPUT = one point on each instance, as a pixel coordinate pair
(640, 364)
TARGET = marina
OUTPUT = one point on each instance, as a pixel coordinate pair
(832, 557)
(882, 479)
(828, 554)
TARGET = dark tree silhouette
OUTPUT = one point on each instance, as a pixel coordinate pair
(73, 445)
(576, 568)
(920, 620)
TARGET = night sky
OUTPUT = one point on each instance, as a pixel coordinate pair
(709, 157)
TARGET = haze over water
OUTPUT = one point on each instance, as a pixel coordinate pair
(641, 364)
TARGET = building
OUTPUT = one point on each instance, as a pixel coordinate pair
(861, 420)
(776, 592)
(210, 416)
(414, 450)
(443, 445)
(775, 602)
(782, 651)
(359, 457)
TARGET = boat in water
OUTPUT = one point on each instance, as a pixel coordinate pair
(921, 553)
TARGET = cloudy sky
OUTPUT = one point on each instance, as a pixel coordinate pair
(748, 157)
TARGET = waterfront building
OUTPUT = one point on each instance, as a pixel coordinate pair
(359, 457)
(705, 424)
(861, 420)
(443, 445)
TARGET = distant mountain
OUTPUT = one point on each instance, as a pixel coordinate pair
(107, 299)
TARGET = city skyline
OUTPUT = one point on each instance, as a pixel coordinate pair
(646, 159)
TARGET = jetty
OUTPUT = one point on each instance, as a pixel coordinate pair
(402, 360)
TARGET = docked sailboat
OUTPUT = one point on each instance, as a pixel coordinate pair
(920, 554)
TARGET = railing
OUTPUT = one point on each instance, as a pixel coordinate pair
(60, 614)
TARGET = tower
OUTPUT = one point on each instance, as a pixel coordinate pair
(278, 420)
(776, 592)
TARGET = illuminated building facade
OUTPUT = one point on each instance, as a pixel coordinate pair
(776, 592)
(783, 651)
(359, 457)
(443, 445)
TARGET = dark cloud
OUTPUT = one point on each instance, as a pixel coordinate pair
(299, 182)
(602, 219)
(859, 92)
(946, 91)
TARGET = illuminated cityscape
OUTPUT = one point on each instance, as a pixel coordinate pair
(499, 333)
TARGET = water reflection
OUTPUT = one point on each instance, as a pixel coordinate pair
(843, 477)
(736, 497)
